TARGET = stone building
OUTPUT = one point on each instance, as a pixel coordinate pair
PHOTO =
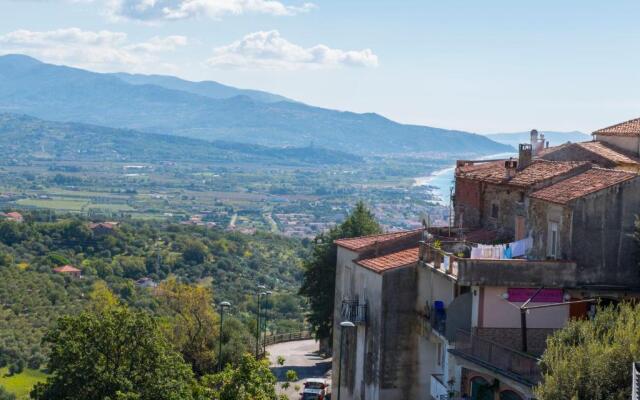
(440, 315)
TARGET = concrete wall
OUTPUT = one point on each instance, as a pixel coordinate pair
(602, 226)
(399, 342)
(626, 143)
(516, 273)
(360, 361)
(496, 312)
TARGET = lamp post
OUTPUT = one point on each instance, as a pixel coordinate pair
(266, 315)
(223, 305)
(343, 326)
(260, 294)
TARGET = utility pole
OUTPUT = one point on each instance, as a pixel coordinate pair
(223, 305)
(266, 315)
(260, 294)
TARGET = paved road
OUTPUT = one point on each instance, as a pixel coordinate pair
(302, 357)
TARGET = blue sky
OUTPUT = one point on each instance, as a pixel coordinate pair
(482, 66)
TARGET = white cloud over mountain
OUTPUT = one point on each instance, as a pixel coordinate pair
(152, 10)
(269, 50)
(96, 50)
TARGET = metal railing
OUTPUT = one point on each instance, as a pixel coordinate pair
(510, 361)
(438, 390)
(354, 311)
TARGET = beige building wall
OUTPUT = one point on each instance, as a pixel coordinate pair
(499, 313)
(624, 142)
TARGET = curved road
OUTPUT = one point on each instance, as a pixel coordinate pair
(302, 357)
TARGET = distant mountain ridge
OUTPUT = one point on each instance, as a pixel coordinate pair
(24, 139)
(192, 109)
(554, 138)
(209, 89)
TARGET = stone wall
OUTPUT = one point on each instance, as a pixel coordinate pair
(602, 242)
(512, 338)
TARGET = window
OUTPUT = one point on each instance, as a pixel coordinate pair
(553, 240)
(495, 210)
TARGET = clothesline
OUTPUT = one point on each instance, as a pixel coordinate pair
(502, 251)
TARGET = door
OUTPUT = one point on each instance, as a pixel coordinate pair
(481, 390)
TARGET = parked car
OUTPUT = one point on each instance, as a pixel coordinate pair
(315, 389)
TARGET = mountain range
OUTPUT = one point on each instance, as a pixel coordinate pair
(24, 139)
(211, 111)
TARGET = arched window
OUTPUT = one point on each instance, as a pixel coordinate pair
(510, 395)
(481, 389)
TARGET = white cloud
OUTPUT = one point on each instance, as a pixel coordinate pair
(151, 10)
(95, 50)
(269, 50)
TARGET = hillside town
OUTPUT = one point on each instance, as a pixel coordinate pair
(464, 311)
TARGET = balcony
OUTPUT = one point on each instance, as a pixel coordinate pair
(452, 258)
(438, 388)
(500, 359)
(354, 311)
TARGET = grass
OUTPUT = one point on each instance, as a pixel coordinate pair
(21, 384)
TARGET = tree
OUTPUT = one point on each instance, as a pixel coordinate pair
(250, 380)
(591, 359)
(115, 353)
(193, 328)
(320, 270)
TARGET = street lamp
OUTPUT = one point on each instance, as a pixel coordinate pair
(223, 305)
(266, 314)
(260, 293)
(343, 326)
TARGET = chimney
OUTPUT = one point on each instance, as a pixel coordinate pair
(525, 155)
(510, 167)
(534, 137)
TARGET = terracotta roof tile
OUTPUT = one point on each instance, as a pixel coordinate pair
(391, 261)
(628, 128)
(538, 171)
(602, 149)
(366, 241)
(66, 268)
(588, 182)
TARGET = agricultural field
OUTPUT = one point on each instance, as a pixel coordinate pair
(21, 384)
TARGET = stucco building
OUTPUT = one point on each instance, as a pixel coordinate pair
(441, 315)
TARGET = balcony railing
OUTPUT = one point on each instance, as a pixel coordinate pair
(354, 311)
(452, 258)
(438, 388)
(509, 362)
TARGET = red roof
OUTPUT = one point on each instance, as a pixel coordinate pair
(14, 215)
(588, 182)
(538, 171)
(391, 261)
(66, 269)
(361, 242)
(628, 128)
